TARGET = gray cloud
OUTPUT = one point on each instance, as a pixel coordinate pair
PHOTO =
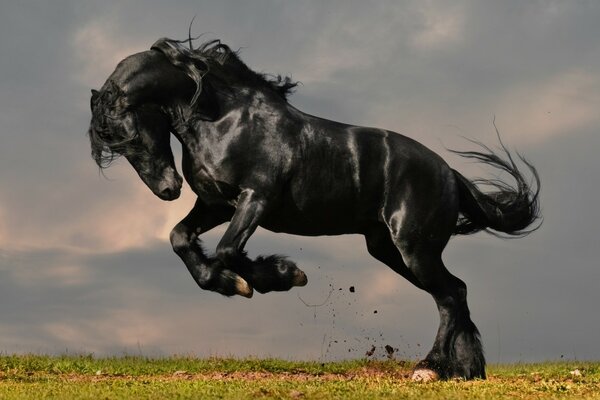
(84, 262)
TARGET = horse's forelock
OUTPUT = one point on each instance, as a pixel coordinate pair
(107, 142)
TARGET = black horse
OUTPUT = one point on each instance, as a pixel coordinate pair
(255, 160)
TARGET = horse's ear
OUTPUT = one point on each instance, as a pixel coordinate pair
(95, 95)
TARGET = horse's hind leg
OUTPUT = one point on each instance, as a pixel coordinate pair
(457, 350)
(420, 238)
(381, 246)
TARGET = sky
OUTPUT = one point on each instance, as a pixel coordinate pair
(85, 263)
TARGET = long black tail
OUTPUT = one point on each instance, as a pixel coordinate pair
(506, 211)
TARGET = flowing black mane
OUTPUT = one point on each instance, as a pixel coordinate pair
(211, 60)
(216, 60)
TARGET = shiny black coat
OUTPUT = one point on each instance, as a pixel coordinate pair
(255, 160)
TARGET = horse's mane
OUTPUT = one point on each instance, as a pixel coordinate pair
(211, 60)
(218, 61)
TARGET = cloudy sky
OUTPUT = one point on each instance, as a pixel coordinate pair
(85, 264)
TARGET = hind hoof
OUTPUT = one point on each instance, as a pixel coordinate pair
(424, 375)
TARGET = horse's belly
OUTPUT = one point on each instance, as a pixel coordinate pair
(309, 229)
(313, 222)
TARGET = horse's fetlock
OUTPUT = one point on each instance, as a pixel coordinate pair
(205, 277)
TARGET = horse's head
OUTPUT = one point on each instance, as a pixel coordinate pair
(130, 119)
(132, 113)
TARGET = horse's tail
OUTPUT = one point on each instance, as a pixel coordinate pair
(506, 209)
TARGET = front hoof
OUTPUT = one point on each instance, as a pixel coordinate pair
(289, 272)
(243, 288)
(273, 274)
(424, 375)
(230, 284)
(300, 278)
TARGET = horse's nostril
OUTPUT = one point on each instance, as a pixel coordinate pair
(169, 193)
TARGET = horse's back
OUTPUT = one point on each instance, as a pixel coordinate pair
(349, 177)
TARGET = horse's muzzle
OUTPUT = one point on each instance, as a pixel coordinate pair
(170, 188)
(169, 193)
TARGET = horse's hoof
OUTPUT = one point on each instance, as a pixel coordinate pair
(424, 375)
(288, 270)
(300, 278)
(243, 288)
(229, 284)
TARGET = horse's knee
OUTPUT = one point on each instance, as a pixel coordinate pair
(179, 238)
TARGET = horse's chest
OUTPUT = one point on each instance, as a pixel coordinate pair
(210, 189)
(205, 180)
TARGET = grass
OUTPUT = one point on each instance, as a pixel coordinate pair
(87, 377)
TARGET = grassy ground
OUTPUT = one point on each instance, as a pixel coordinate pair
(136, 377)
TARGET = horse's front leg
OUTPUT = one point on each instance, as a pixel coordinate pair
(265, 274)
(185, 239)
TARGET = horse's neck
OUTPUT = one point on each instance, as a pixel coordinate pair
(232, 105)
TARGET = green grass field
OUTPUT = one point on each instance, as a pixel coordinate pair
(217, 378)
